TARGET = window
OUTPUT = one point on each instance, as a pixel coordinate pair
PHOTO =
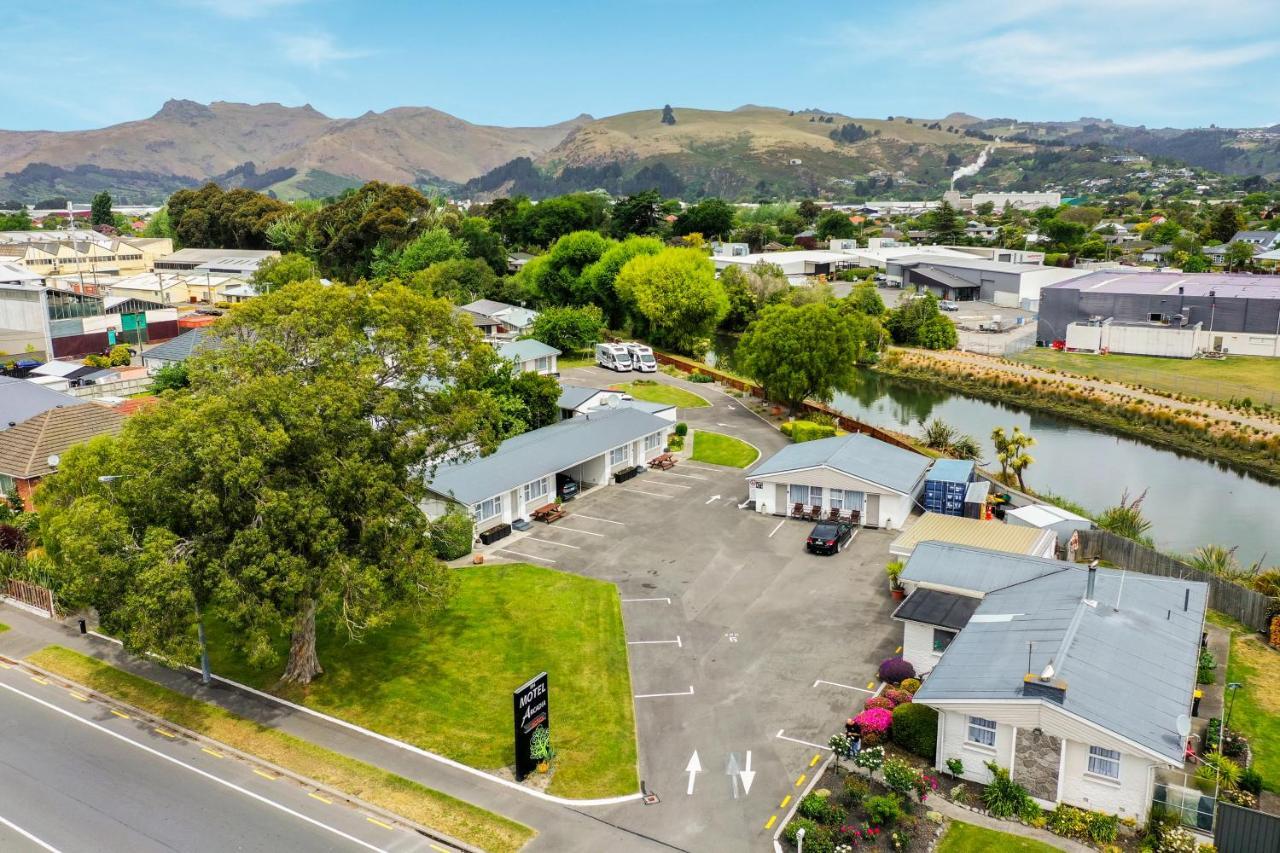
(1104, 762)
(542, 364)
(535, 490)
(942, 638)
(651, 442)
(619, 455)
(488, 509)
(982, 732)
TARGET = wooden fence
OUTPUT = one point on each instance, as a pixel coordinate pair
(30, 594)
(1239, 602)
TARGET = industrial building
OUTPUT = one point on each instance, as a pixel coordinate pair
(1162, 313)
(977, 279)
(1015, 200)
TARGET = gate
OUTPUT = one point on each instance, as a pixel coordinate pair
(1241, 830)
(30, 594)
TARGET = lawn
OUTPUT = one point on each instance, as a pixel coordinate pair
(655, 392)
(717, 448)
(568, 362)
(966, 838)
(444, 682)
(1236, 376)
(394, 793)
(1256, 712)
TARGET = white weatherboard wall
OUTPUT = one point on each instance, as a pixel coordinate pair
(895, 507)
(917, 646)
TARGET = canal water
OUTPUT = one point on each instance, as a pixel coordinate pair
(1190, 501)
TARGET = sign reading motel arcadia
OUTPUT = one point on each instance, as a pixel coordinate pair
(531, 714)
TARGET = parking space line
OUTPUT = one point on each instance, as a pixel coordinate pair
(845, 686)
(686, 476)
(576, 530)
(779, 527)
(675, 642)
(212, 752)
(313, 795)
(43, 845)
(800, 781)
(526, 556)
(39, 679)
(593, 518)
(687, 464)
(265, 775)
(165, 733)
(78, 695)
(121, 714)
(437, 849)
(781, 736)
(642, 492)
(553, 542)
(659, 695)
(628, 600)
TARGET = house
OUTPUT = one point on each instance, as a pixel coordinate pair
(21, 400)
(30, 450)
(1077, 680)
(517, 260)
(177, 350)
(520, 476)
(487, 325)
(978, 533)
(530, 356)
(576, 401)
(850, 472)
(509, 319)
(1156, 255)
(1266, 240)
(1062, 522)
(1218, 254)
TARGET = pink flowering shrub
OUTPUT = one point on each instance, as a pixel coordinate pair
(878, 702)
(874, 720)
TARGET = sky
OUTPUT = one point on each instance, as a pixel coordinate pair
(1155, 62)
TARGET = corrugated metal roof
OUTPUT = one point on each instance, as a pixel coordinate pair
(20, 400)
(181, 347)
(525, 350)
(857, 455)
(993, 535)
(966, 567)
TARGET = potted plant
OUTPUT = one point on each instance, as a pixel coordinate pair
(894, 571)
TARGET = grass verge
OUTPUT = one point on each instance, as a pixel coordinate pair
(716, 448)
(966, 838)
(1256, 709)
(3, 627)
(572, 361)
(444, 682)
(387, 790)
(654, 392)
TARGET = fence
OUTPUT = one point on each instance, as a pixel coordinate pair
(119, 388)
(1241, 830)
(30, 594)
(1239, 602)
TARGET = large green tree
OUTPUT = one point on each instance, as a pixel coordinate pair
(675, 296)
(100, 210)
(568, 329)
(712, 217)
(833, 223)
(750, 289)
(637, 214)
(275, 273)
(945, 224)
(556, 277)
(919, 323)
(377, 217)
(1225, 222)
(461, 280)
(598, 279)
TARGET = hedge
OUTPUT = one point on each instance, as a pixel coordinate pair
(915, 729)
(451, 536)
(799, 431)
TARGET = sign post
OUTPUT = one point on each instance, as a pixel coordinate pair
(529, 701)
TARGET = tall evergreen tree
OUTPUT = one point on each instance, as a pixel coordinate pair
(100, 212)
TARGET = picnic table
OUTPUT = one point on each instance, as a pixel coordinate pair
(549, 513)
(663, 461)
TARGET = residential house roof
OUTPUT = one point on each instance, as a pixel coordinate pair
(935, 607)
(993, 535)
(20, 400)
(526, 349)
(25, 449)
(857, 455)
(540, 452)
(574, 396)
(947, 565)
(1266, 239)
(180, 348)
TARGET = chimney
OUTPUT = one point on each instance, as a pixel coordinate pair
(1093, 580)
(1044, 687)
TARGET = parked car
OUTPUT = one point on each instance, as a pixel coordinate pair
(829, 537)
(948, 305)
(566, 487)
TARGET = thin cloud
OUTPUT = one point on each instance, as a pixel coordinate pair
(316, 51)
(243, 9)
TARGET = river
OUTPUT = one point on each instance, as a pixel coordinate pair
(1190, 501)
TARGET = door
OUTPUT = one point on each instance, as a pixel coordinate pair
(872, 517)
(780, 499)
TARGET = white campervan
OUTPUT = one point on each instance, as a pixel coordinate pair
(642, 358)
(613, 356)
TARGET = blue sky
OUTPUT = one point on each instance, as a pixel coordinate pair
(1154, 62)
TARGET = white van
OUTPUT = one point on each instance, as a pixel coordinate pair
(613, 356)
(642, 359)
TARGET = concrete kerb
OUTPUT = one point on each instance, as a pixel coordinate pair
(747, 467)
(249, 758)
(407, 747)
(808, 789)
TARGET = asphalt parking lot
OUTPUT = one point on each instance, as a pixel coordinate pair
(743, 647)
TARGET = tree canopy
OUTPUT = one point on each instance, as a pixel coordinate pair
(675, 296)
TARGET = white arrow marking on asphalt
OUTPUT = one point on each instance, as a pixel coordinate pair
(692, 768)
(713, 499)
(748, 776)
(732, 770)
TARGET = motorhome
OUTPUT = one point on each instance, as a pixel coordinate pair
(642, 358)
(613, 356)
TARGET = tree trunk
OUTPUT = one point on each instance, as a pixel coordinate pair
(303, 664)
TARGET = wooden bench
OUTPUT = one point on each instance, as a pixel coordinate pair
(663, 461)
(548, 514)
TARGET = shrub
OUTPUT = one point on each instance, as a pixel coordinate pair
(800, 431)
(797, 823)
(451, 536)
(1003, 796)
(870, 759)
(878, 702)
(1250, 781)
(955, 767)
(1219, 768)
(1067, 821)
(1177, 840)
(1208, 666)
(821, 810)
(1030, 813)
(682, 429)
(915, 729)
(1239, 798)
(700, 377)
(897, 696)
(873, 721)
(911, 685)
(883, 811)
(855, 790)
(119, 356)
(899, 776)
(896, 670)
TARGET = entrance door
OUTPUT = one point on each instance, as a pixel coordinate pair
(872, 518)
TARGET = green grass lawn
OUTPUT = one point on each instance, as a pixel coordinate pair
(391, 792)
(654, 392)
(566, 362)
(719, 449)
(1236, 376)
(444, 682)
(1256, 711)
(966, 838)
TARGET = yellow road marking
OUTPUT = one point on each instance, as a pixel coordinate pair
(898, 650)
(800, 781)
(785, 800)
(815, 760)
(438, 849)
(79, 696)
(121, 714)
(316, 796)
(39, 680)
(163, 732)
(771, 821)
(377, 822)
(870, 684)
(265, 775)
(5, 665)
(212, 752)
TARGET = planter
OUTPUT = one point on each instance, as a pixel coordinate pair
(898, 593)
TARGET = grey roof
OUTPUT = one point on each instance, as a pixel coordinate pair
(1267, 237)
(952, 470)
(1129, 669)
(573, 396)
(966, 567)
(1234, 285)
(20, 400)
(525, 349)
(857, 455)
(941, 276)
(179, 348)
(544, 451)
(934, 607)
(488, 307)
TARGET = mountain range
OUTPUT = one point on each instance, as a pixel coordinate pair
(750, 152)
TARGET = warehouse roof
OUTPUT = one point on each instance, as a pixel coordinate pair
(857, 455)
(995, 535)
(542, 452)
(934, 607)
(1235, 285)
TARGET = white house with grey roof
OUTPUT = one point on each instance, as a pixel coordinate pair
(520, 476)
(852, 472)
(576, 401)
(530, 356)
(508, 319)
(1077, 680)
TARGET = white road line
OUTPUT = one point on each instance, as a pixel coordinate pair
(689, 692)
(779, 527)
(697, 467)
(576, 530)
(643, 492)
(36, 841)
(553, 542)
(686, 476)
(593, 518)
(654, 482)
(845, 686)
(627, 600)
(158, 754)
(781, 736)
(526, 556)
(676, 642)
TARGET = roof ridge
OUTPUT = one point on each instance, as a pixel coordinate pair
(45, 417)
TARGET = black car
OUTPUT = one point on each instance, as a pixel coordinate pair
(566, 487)
(829, 537)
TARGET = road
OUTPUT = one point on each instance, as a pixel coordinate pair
(75, 776)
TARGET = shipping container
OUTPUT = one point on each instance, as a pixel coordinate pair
(945, 486)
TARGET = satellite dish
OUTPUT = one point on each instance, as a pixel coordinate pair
(1184, 725)
(54, 460)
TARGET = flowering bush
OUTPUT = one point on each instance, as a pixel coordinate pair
(911, 685)
(897, 696)
(874, 721)
(870, 760)
(855, 836)
(878, 702)
(896, 670)
(899, 776)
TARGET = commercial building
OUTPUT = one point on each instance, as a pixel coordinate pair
(965, 279)
(81, 252)
(797, 265)
(48, 322)
(1015, 200)
(241, 262)
(1162, 313)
